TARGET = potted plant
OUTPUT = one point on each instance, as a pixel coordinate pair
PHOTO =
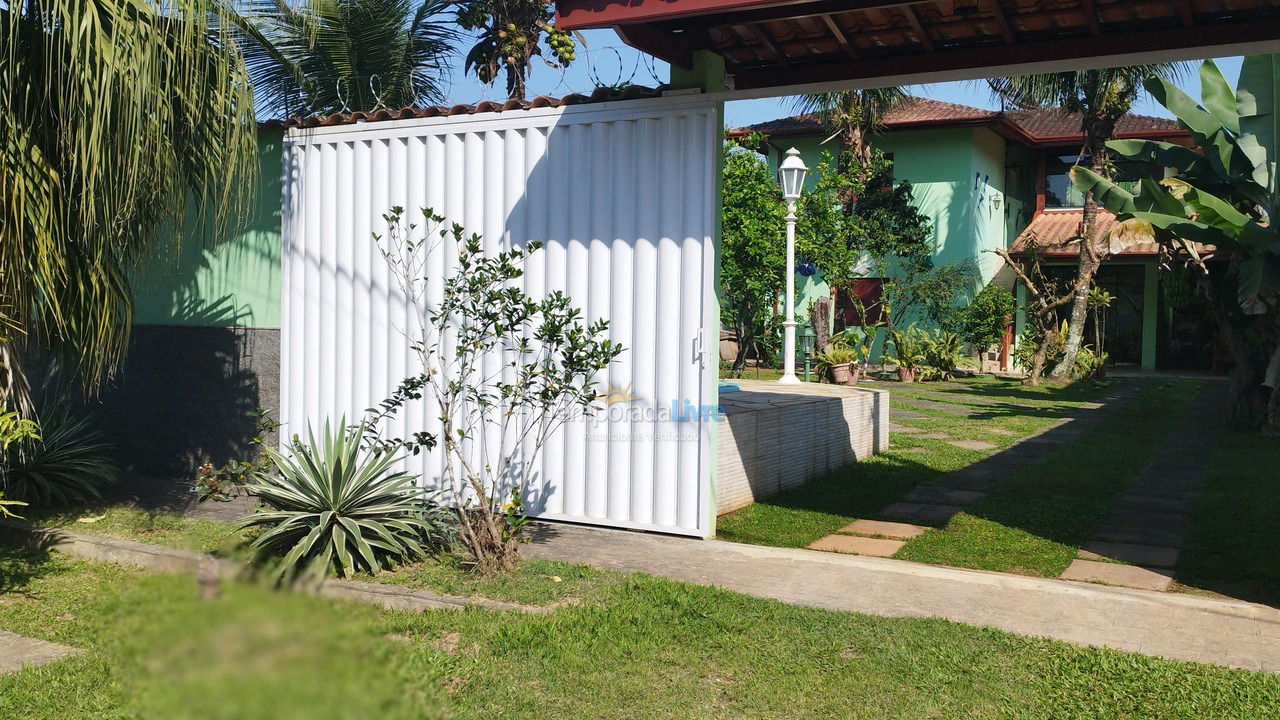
(910, 352)
(838, 364)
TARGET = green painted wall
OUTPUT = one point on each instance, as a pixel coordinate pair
(948, 168)
(234, 283)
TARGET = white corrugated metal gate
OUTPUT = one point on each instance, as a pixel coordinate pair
(622, 195)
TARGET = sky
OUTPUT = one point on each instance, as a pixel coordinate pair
(606, 60)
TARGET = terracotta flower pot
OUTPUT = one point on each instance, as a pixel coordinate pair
(842, 374)
(906, 375)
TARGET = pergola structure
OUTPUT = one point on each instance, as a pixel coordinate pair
(770, 44)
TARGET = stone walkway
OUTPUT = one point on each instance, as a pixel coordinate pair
(938, 502)
(1170, 625)
(17, 652)
(1148, 522)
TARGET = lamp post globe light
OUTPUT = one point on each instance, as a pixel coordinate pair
(791, 175)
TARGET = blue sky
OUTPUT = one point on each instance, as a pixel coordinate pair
(606, 60)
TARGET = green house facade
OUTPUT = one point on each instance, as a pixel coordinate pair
(997, 180)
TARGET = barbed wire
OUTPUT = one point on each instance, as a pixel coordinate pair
(602, 67)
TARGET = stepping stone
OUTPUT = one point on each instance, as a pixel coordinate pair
(1149, 555)
(1000, 431)
(912, 450)
(17, 652)
(1134, 535)
(1179, 502)
(943, 495)
(897, 531)
(851, 545)
(920, 513)
(893, 427)
(1122, 575)
(934, 436)
(973, 444)
(948, 408)
(905, 414)
(964, 481)
(1173, 522)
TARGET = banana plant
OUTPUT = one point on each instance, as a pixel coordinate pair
(1223, 195)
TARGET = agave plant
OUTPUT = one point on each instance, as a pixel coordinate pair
(66, 462)
(335, 505)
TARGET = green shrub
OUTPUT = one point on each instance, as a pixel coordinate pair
(910, 347)
(336, 506)
(67, 462)
(943, 351)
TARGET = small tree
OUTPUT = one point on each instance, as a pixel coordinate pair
(981, 323)
(753, 248)
(495, 417)
(511, 33)
(1045, 296)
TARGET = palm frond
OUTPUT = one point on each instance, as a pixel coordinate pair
(123, 122)
(326, 56)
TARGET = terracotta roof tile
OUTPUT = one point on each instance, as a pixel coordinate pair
(1053, 233)
(916, 110)
(541, 101)
(1035, 126)
(1047, 124)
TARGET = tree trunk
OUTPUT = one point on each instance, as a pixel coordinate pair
(1097, 131)
(1038, 360)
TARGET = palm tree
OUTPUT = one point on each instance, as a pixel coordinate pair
(118, 119)
(326, 56)
(854, 115)
(1101, 97)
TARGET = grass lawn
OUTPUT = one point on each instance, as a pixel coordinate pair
(1231, 544)
(1032, 522)
(633, 647)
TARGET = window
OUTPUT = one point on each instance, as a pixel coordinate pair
(863, 303)
(1060, 193)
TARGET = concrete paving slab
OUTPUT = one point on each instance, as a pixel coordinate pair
(943, 495)
(934, 436)
(17, 652)
(896, 428)
(973, 444)
(853, 545)
(920, 513)
(964, 481)
(1148, 555)
(895, 530)
(1131, 576)
(1170, 625)
(1135, 535)
(1177, 502)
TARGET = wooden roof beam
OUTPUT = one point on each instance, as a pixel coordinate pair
(840, 37)
(914, 21)
(1090, 11)
(1002, 22)
(1187, 12)
(762, 35)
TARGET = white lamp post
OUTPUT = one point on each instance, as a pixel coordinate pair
(791, 174)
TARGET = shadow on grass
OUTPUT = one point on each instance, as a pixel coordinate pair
(22, 561)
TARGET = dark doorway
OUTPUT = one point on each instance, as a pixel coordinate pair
(1118, 328)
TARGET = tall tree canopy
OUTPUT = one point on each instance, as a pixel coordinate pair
(1101, 97)
(117, 117)
(325, 56)
(854, 116)
(509, 35)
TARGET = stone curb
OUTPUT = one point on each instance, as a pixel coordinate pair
(165, 559)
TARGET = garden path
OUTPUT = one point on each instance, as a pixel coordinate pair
(1147, 525)
(1182, 627)
(938, 502)
(18, 651)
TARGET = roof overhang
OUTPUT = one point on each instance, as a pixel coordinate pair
(773, 47)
